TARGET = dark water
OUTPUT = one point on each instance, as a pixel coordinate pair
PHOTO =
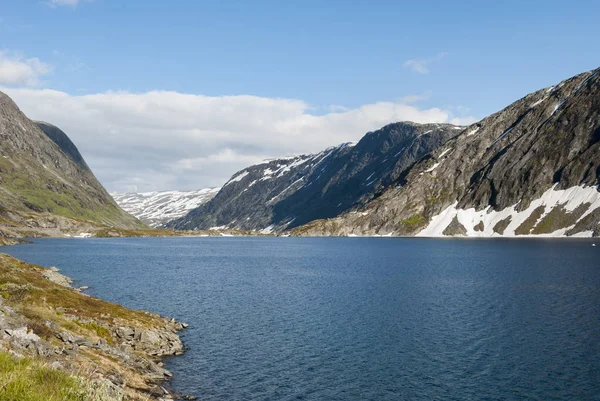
(358, 318)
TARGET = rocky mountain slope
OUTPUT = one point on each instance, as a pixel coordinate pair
(45, 181)
(530, 169)
(289, 192)
(158, 208)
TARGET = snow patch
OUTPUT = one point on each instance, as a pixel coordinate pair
(584, 234)
(569, 199)
(216, 228)
(473, 131)
(267, 230)
(237, 178)
(83, 235)
(585, 81)
(531, 106)
(285, 190)
(286, 169)
(430, 169)
(401, 150)
(444, 153)
(556, 108)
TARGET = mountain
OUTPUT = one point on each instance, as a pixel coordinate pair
(44, 181)
(285, 193)
(530, 169)
(158, 208)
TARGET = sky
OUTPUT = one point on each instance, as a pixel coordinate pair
(181, 94)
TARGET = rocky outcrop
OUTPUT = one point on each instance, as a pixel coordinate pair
(53, 275)
(119, 349)
(4, 241)
(285, 193)
(530, 169)
(42, 174)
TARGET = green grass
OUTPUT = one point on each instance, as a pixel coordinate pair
(48, 309)
(38, 299)
(100, 331)
(37, 189)
(30, 380)
(559, 218)
(530, 222)
(413, 222)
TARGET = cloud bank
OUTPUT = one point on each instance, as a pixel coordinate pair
(17, 70)
(59, 3)
(167, 140)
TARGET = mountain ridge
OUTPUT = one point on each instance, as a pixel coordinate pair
(44, 181)
(283, 193)
(494, 178)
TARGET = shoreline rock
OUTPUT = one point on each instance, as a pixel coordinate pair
(119, 350)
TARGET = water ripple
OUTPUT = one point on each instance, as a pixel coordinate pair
(360, 319)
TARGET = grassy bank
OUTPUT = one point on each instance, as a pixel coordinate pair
(28, 379)
(59, 344)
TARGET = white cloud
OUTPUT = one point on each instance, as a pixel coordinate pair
(168, 140)
(69, 3)
(17, 70)
(422, 65)
(57, 3)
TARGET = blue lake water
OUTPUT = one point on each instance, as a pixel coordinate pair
(359, 318)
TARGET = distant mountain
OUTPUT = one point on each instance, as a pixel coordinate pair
(530, 169)
(158, 208)
(44, 181)
(285, 193)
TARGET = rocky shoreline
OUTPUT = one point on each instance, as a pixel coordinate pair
(116, 351)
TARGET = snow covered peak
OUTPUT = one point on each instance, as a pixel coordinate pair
(158, 208)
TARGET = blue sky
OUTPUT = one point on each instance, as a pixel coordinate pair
(468, 58)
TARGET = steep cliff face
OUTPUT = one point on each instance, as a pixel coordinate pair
(530, 169)
(42, 172)
(286, 193)
(63, 142)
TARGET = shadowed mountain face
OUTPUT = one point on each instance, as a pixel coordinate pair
(530, 169)
(63, 142)
(42, 172)
(286, 193)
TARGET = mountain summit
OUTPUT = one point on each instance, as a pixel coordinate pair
(285, 193)
(44, 181)
(530, 169)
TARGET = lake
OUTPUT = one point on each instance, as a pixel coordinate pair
(359, 318)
